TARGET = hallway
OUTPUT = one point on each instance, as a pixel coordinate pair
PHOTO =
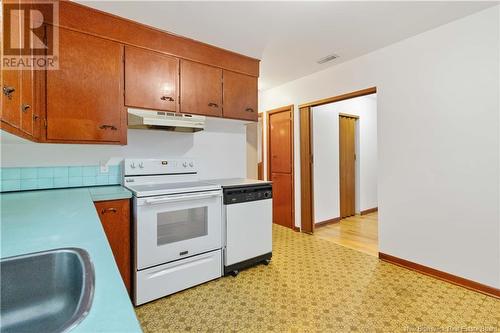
(358, 232)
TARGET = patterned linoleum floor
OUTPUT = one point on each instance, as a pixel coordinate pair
(313, 285)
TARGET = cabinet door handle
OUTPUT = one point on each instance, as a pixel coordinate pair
(25, 107)
(111, 127)
(8, 91)
(249, 110)
(110, 210)
(167, 98)
(214, 105)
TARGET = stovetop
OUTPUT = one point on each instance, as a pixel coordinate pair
(156, 189)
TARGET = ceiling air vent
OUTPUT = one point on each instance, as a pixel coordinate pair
(327, 58)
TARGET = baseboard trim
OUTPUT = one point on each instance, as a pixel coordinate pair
(327, 222)
(460, 281)
(368, 211)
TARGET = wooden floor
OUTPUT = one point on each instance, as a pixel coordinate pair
(356, 232)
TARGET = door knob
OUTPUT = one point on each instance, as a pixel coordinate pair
(167, 98)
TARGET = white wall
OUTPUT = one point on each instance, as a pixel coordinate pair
(221, 149)
(438, 142)
(326, 155)
(252, 150)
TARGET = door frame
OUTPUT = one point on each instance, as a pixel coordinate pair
(268, 151)
(260, 127)
(307, 158)
(356, 165)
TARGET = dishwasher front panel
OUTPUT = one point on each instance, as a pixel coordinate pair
(248, 231)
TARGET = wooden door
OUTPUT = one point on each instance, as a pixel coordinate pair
(240, 96)
(280, 157)
(115, 219)
(201, 89)
(85, 95)
(151, 80)
(347, 165)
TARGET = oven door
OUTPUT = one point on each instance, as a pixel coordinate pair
(176, 226)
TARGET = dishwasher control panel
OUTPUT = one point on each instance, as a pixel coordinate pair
(247, 193)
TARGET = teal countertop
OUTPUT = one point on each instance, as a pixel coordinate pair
(41, 220)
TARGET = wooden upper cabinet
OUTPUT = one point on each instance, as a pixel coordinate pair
(85, 95)
(18, 90)
(12, 79)
(11, 97)
(240, 96)
(201, 89)
(151, 80)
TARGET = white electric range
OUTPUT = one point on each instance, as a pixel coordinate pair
(177, 226)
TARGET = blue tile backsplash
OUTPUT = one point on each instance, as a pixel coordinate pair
(22, 179)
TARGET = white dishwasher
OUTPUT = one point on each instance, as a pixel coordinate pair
(248, 215)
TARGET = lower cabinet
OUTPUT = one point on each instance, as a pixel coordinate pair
(115, 219)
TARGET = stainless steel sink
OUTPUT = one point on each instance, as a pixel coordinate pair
(48, 291)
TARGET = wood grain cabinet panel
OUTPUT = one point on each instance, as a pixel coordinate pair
(151, 80)
(85, 95)
(27, 102)
(17, 89)
(12, 79)
(201, 89)
(11, 104)
(115, 219)
(240, 96)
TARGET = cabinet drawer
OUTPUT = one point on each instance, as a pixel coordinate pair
(163, 280)
(115, 219)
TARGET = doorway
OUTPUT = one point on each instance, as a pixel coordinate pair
(280, 169)
(306, 162)
(347, 164)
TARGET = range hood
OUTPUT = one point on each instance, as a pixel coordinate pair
(167, 121)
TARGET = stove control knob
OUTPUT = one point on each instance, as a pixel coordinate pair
(141, 165)
(132, 165)
(191, 164)
(185, 164)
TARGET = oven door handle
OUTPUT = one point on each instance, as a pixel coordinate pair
(185, 197)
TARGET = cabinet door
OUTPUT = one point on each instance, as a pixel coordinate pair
(201, 89)
(11, 79)
(115, 219)
(27, 101)
(11, 97)
(240, 96)
(85, 96)
(151, 80)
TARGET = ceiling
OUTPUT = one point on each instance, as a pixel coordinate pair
(289, 37)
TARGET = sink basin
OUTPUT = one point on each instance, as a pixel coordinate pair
(48, 291)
